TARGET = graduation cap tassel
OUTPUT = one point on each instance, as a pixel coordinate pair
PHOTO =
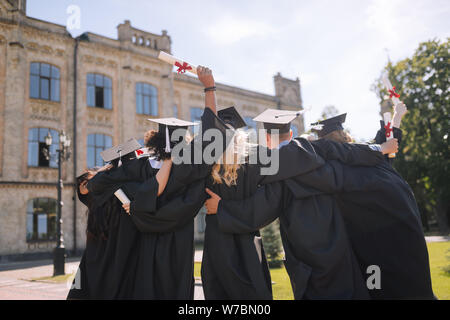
(167, 140)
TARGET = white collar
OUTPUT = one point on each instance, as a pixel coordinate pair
(156, 164)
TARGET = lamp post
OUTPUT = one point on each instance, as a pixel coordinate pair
(63, 154)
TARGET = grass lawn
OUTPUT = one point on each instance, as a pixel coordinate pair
(439, 253)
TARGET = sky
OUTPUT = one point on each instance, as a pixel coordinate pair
(336, 48)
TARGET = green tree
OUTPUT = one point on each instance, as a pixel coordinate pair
(272, 244)
(329, 112)
(424, 157)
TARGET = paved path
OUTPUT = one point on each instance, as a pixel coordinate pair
(437, 238)
(16, 281)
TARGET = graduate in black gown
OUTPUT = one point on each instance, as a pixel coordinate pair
(234, 266)
(383, 221)
(319, 256)
(111, 241)
(165, 223)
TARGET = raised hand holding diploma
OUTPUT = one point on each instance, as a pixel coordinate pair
(388, 127)
(182, 66)
(394, 96)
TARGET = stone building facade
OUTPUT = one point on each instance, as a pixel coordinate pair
(45, 77)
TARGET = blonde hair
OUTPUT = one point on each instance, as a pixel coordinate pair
(338, 136)
(226, 168)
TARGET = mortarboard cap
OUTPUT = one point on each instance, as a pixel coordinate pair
(120, 150)
(168, 125)
(275, 119)
(232, 117)
(329, 125)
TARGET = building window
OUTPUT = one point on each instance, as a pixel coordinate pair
(146, 99)
(294, 129)
(99, 91)
(175, 111)
(97, 143)
(36, 146)
(250, 123)
(196, 116)
(44, 81)
(41, 219)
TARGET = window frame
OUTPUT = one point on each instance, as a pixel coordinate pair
(141, 95)
(52, 82)
(52, 163)
(106, 87)
(97, 148)
(35, 236)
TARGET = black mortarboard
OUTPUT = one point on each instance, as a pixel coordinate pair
(168, 125)
(121, 150)
(231, 117)
(329, 125)
(275, 119)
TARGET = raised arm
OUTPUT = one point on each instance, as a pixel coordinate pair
(348, 153)
(163, 175)
(206, 78)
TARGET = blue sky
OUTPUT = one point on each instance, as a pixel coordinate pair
(336, 48)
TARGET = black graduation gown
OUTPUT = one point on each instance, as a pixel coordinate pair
(105, 264)
(384, 225)
(319, 257)
(166, 225)
(234, 266)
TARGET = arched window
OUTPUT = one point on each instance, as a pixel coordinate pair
(99, 91)
(96, 143)
(146, 99)
(36, 146)
(44, 81)
(41, 219)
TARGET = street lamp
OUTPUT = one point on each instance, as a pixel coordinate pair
(63, 154)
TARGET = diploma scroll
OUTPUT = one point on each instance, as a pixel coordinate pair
(389, 129)
(182, 66)
(122, 196)
(391, 90)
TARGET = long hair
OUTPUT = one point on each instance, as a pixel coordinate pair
(98, 216)
(338, 136)
(225, 170)
(156, 142)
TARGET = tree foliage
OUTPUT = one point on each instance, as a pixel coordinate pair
(424, 157)
(272, 244)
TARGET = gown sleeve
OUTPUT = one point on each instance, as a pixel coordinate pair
(296, 158)
(170, 213)
(253, 213)
(348, 153)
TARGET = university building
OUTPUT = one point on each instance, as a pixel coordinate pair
(101, 92)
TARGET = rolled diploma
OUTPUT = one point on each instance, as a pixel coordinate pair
(171, 60)
(387, 119)
(122, 196)
(387, 84)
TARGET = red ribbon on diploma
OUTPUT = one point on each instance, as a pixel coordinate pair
(392, 93)
(139, 152)
(182, 68)
(388, 129)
